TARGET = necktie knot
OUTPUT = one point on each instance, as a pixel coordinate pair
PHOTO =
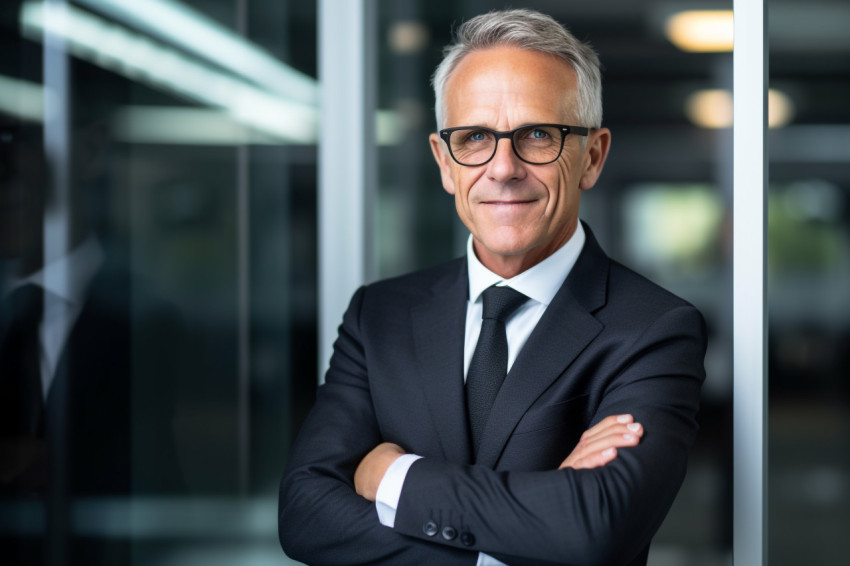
(501, 302)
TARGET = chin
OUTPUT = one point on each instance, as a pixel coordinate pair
(508, 249)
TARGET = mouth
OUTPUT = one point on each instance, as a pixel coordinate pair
(507, 202)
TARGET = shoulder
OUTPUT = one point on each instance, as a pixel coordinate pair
(425, 282)
(601, 283)
(636, 301)
(627, 282)
(390, 305)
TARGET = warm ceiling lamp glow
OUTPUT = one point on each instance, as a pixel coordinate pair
(710, 108)
(780, 109)
(407, 37)
(713, 109)
(701, 30)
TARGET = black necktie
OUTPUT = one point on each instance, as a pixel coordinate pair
(21, 401)
(489, 363)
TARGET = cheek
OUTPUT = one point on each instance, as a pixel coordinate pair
(464, 185)
(560, 188)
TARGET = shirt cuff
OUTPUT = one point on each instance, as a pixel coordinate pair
(389, 490)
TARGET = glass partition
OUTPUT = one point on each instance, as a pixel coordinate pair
(158, 275)
(809, 284)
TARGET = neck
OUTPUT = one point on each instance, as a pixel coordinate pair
(508, 266)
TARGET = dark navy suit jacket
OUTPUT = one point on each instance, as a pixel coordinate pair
(610, 342)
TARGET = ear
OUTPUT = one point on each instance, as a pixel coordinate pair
(596, 150)
(444, 162)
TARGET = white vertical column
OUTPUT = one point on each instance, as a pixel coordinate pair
(750, 315)
(347, 158)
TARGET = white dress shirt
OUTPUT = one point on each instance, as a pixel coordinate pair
(540, 283)
(65, 281)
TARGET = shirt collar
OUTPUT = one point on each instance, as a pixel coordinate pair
(69, 276)
(539, 283)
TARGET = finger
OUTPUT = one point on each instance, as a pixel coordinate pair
(594, 460)
(608, 422)
(614, 427)
(615, 439)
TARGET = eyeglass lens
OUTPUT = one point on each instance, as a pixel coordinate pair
(534, 144)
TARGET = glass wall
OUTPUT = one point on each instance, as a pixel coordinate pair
(809, 286)
(158, 258)
(158, 276)
(662, 205)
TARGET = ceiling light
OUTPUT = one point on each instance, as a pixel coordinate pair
(138, 57)
(206, 39)
(713, 109)
(710, 108)
(701, 30)
(408, 37)
(22, 99)
(780, 109)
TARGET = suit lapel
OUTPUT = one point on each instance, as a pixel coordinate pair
(438, 329)
(565, 329)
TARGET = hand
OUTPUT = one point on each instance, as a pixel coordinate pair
(598, 445)
(372, 468)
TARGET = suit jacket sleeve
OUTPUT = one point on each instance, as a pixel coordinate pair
(601, 516)
(322, 520)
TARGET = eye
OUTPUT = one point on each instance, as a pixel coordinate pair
(477, 136)
(538, 134)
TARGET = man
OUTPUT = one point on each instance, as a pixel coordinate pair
(419, 451)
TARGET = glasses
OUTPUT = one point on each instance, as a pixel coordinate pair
(537, 144)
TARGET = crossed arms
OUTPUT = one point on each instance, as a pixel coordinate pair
(598, 507)
(597, 446)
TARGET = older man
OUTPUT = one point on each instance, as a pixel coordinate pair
(531, 403)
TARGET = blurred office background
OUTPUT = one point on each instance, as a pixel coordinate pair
(179, 140)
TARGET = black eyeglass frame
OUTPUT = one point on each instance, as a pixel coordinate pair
(446, 133)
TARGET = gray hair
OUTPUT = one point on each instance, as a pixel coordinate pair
(525, 29)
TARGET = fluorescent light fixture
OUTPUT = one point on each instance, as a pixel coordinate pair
(274, 117)
(713, 109)
(206, 39)
(183, 126)
(22, 99)
(140, 58)
(701, 30)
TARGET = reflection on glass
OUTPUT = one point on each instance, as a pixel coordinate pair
(809, 288)
(157, 355)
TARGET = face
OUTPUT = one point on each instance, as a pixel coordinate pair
(22, 190)
(25, 191)
(518, 213)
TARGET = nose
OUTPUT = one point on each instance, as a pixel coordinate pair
(505, 165)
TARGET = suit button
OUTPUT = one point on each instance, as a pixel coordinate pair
(467, 539)
(430, 528)
(449, 533)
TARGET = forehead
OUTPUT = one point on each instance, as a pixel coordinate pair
(504, 86)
